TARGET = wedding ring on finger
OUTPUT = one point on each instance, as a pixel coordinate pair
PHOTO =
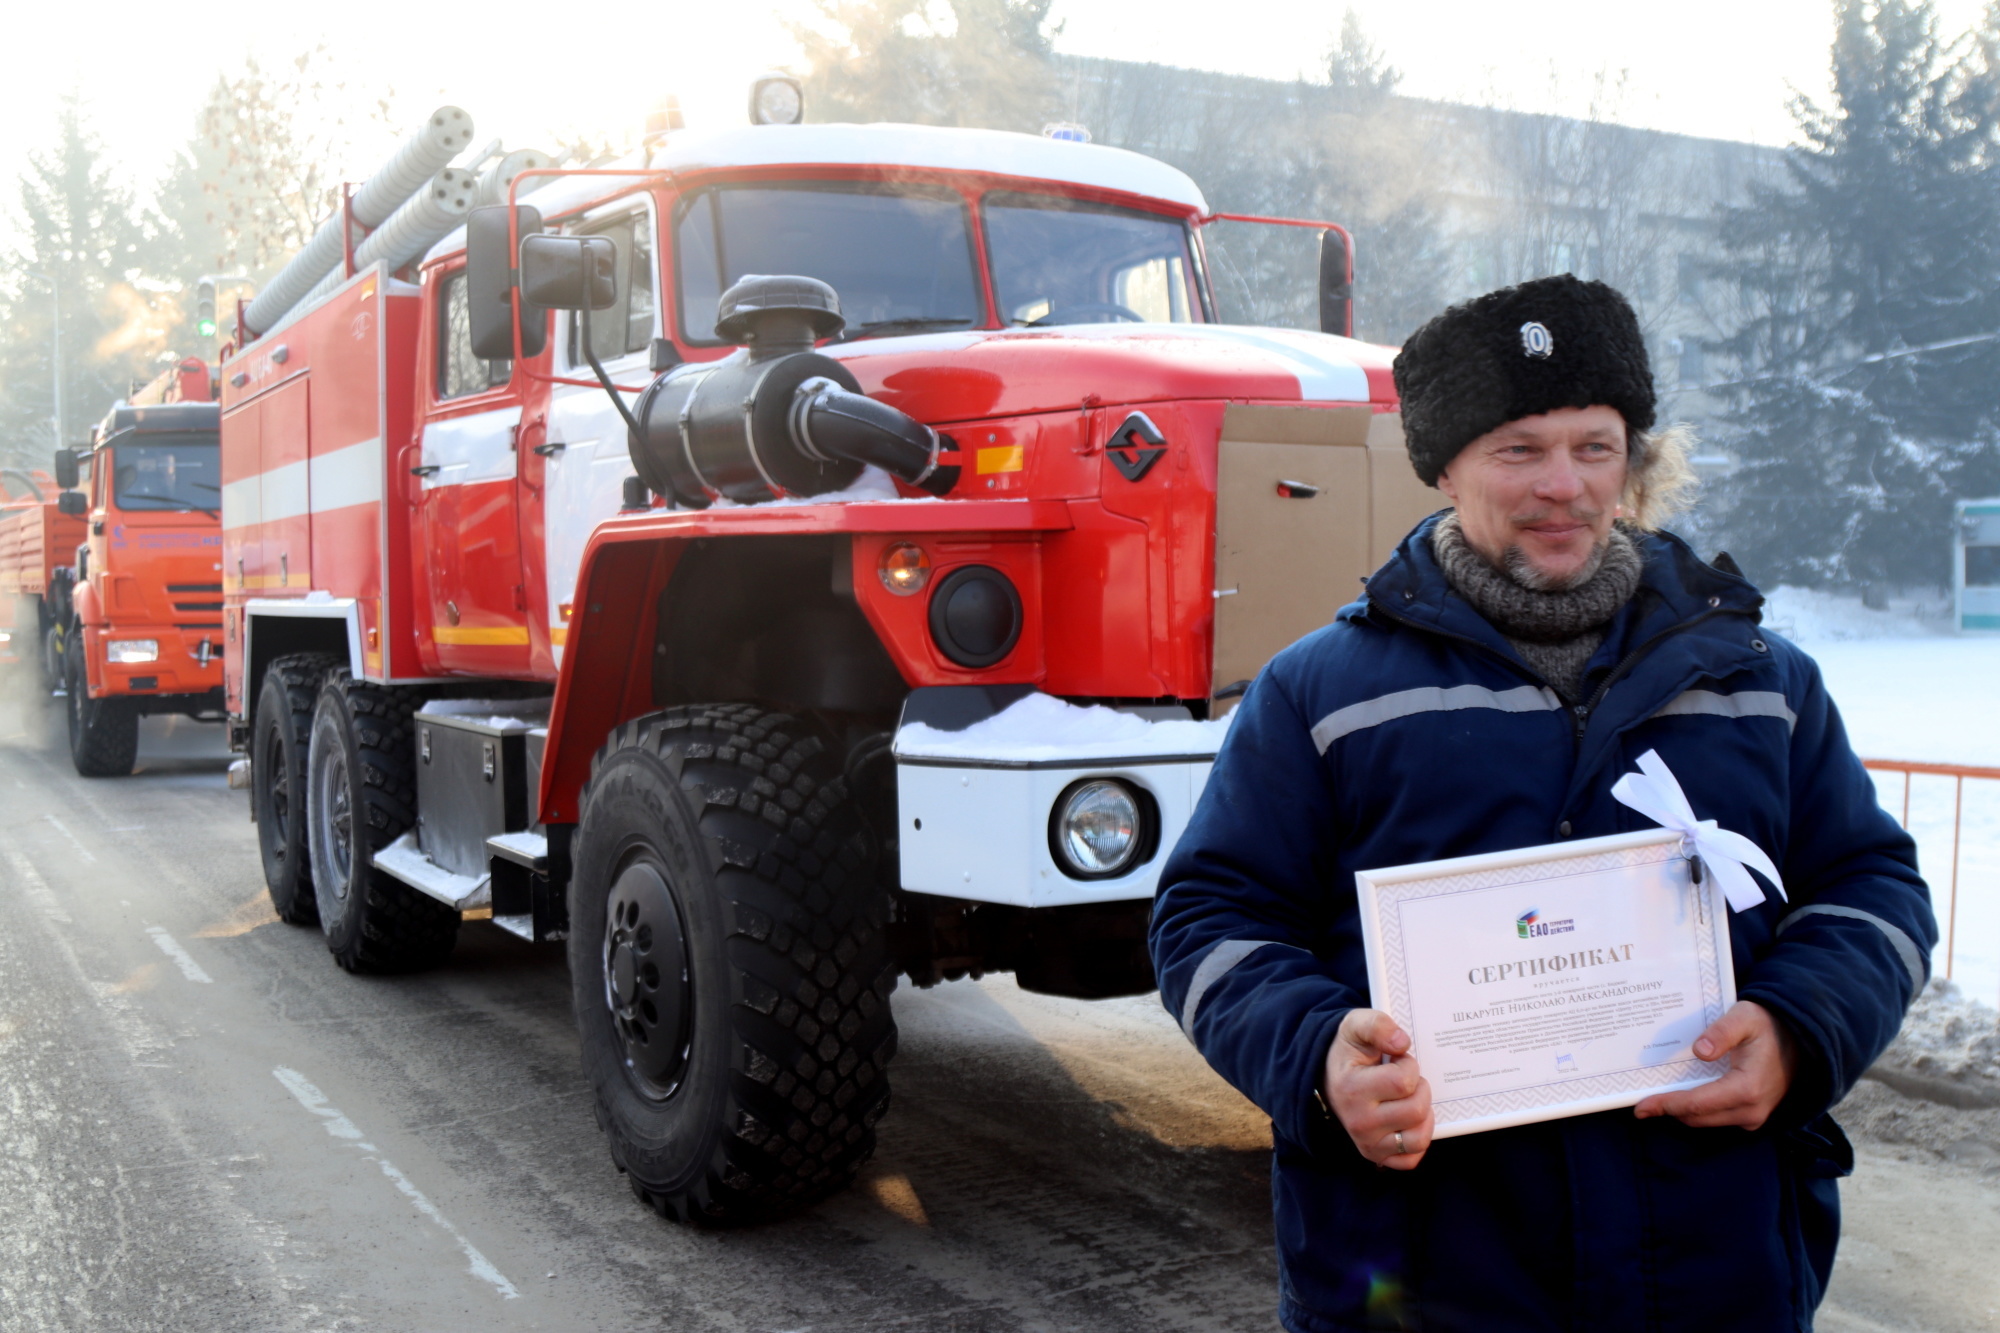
(1401, 1151)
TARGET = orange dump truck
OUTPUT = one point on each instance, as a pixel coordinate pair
(38, 544)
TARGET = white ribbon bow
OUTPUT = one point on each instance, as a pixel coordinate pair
(1654, 793)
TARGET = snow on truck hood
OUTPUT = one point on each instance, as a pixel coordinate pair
(942, 377)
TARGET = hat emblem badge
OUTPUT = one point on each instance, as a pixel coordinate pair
(1536, 341)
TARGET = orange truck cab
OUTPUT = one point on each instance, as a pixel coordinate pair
(38, 544)
(145, 635)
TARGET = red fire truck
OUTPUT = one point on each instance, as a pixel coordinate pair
(142, 633)
(38, 542)
(792, 558)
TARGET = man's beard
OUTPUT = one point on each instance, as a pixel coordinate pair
(1515, 562)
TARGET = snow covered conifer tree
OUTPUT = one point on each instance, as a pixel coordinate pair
(1860, 413)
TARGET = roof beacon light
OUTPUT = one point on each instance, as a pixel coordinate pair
(776, 99)
(664, 119)
(1066, 130)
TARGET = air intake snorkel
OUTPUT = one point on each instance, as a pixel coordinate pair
(778, 419)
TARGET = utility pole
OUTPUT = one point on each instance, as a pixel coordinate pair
(55, 349)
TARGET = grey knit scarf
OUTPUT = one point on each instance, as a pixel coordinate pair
(1554, 630)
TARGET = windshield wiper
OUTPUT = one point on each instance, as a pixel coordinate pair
(876, 328)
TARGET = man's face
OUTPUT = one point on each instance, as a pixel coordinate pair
(1537, 496)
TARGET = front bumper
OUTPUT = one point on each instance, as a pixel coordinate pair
(975, 818)
(179, 668)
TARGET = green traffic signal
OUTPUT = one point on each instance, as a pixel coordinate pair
(204, 308)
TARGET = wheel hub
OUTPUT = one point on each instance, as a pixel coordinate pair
(646, 983)
(331, 814)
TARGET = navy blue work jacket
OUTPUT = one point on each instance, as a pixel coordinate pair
(1408, 730)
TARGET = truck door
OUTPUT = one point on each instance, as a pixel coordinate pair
(587, 455)
(469, 531)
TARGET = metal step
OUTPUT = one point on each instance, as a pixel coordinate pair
(528, 850)
(402, 859)
(522, 925)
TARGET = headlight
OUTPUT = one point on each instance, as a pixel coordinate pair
(1101, 828)
(132, 650)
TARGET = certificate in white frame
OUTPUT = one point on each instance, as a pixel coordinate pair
(1550, 981)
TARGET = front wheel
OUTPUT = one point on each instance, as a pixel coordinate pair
(361, 795)
(730, 974)
(103, 733)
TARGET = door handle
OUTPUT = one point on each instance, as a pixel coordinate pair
(1297, 490)
(425, 470)
(552, 447)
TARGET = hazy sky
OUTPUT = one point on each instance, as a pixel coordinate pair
(528, 71)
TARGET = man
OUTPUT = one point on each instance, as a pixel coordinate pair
(1510, 662)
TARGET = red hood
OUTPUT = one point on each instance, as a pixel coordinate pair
(945, 377)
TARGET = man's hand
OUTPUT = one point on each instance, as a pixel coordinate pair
(1762, 1061)
(1375, 1101)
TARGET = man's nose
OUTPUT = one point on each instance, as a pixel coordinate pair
(1559, 482)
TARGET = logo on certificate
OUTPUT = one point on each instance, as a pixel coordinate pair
(1529, 925)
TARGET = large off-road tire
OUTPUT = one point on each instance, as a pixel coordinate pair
(729, 964)
(103, 733)
(361, 795)
(278, 738)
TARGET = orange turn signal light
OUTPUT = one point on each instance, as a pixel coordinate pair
(906, 570)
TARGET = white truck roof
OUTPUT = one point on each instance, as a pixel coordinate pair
(925, 147)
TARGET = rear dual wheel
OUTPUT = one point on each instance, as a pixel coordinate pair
(279, 737)
(361, 795)
(730, 972)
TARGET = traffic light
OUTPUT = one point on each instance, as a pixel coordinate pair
(204, 308)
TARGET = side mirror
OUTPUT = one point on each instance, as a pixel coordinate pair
(73, 503)
(1336, 283)
(569, 272)
(489, 280)
(67, 470)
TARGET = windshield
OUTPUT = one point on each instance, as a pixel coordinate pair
(900, 259)
(169, 472)
(1063, 261)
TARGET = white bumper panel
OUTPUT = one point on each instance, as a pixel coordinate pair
(980, 831)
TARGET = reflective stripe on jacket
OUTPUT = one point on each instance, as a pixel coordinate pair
(1408, 730)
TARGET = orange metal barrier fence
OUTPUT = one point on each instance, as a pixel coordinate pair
(1958, 773)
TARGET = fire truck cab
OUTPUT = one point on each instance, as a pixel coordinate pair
(796, 557)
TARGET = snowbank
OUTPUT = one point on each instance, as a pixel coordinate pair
(1947, 1034)
(1809, 616)
(1040, 727)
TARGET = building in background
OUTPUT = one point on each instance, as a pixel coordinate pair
(1446, 201)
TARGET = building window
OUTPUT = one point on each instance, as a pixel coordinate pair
(1687, 279)
(1692, 370)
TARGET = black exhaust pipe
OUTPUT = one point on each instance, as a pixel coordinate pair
(778, 419)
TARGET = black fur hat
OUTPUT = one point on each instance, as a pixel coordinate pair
(1519, 352)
